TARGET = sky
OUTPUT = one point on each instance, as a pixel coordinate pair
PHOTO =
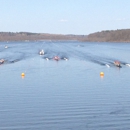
(80, 17)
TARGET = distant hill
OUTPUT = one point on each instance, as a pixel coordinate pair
(28, 36)
(122, 35)
(110, 36)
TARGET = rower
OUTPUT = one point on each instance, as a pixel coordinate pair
(117, 63)
(41, 52)
(2, 61)
(56, 58)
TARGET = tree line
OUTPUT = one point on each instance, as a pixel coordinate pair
(122, 35)
(110, 36)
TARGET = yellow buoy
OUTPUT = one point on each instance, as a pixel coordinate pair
(101, 74)
(22, 74)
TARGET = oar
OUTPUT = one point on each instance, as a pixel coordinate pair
(108, 65)
(127, 64)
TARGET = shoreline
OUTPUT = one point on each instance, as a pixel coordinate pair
(115, 36)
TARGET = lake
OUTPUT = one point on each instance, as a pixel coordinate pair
(65, 94)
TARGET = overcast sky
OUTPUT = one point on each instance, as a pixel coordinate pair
(64, 16)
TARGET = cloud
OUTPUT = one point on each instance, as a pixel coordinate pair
(63, 20)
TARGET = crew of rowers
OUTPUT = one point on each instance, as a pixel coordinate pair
(57, 58)
(117, 63)
(41, 52)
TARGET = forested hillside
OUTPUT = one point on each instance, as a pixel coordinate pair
(110, 36)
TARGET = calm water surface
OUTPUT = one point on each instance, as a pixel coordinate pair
(64, 95)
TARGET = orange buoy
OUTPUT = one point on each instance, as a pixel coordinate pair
(22, 74)
(101, 74)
